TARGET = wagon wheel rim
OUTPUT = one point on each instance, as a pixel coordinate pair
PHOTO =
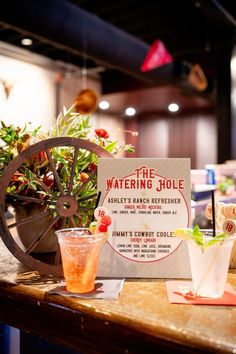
(66, 203)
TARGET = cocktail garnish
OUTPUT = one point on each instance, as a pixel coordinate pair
(196, 235)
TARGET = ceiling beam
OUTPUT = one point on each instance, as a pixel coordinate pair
(64, 24)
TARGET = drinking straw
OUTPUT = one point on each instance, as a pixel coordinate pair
(97, 202)
(213, 212)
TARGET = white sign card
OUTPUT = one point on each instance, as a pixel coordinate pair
(147, 200)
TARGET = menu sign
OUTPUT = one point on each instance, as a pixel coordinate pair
(147, 199)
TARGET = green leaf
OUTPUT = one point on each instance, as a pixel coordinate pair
(111, 146)
(197, 236)
(130, 149)
(216, 239)
(85, 220)
(33, 186)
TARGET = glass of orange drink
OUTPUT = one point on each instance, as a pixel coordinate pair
(80, 252)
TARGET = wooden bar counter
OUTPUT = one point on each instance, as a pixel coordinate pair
(140, 321)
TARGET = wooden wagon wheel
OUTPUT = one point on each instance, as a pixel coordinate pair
(62, 204)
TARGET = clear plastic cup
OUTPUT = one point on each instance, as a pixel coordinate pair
(209, 266)
(80, 255)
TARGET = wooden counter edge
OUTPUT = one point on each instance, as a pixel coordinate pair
(83, 329)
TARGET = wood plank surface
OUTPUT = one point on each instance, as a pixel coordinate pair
(140, 321)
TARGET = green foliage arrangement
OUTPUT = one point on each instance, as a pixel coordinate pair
(32, 177)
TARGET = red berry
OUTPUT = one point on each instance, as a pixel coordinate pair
(106, 219)
(92, 167)
(102, 227)
(48, 179)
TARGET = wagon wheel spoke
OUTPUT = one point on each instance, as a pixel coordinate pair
(41, 236)
(44, 187)
(63, 223)
(27, 199)
(83, 185)
(52, 165)
(73, 170)
(72, 221)
(28, 219)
